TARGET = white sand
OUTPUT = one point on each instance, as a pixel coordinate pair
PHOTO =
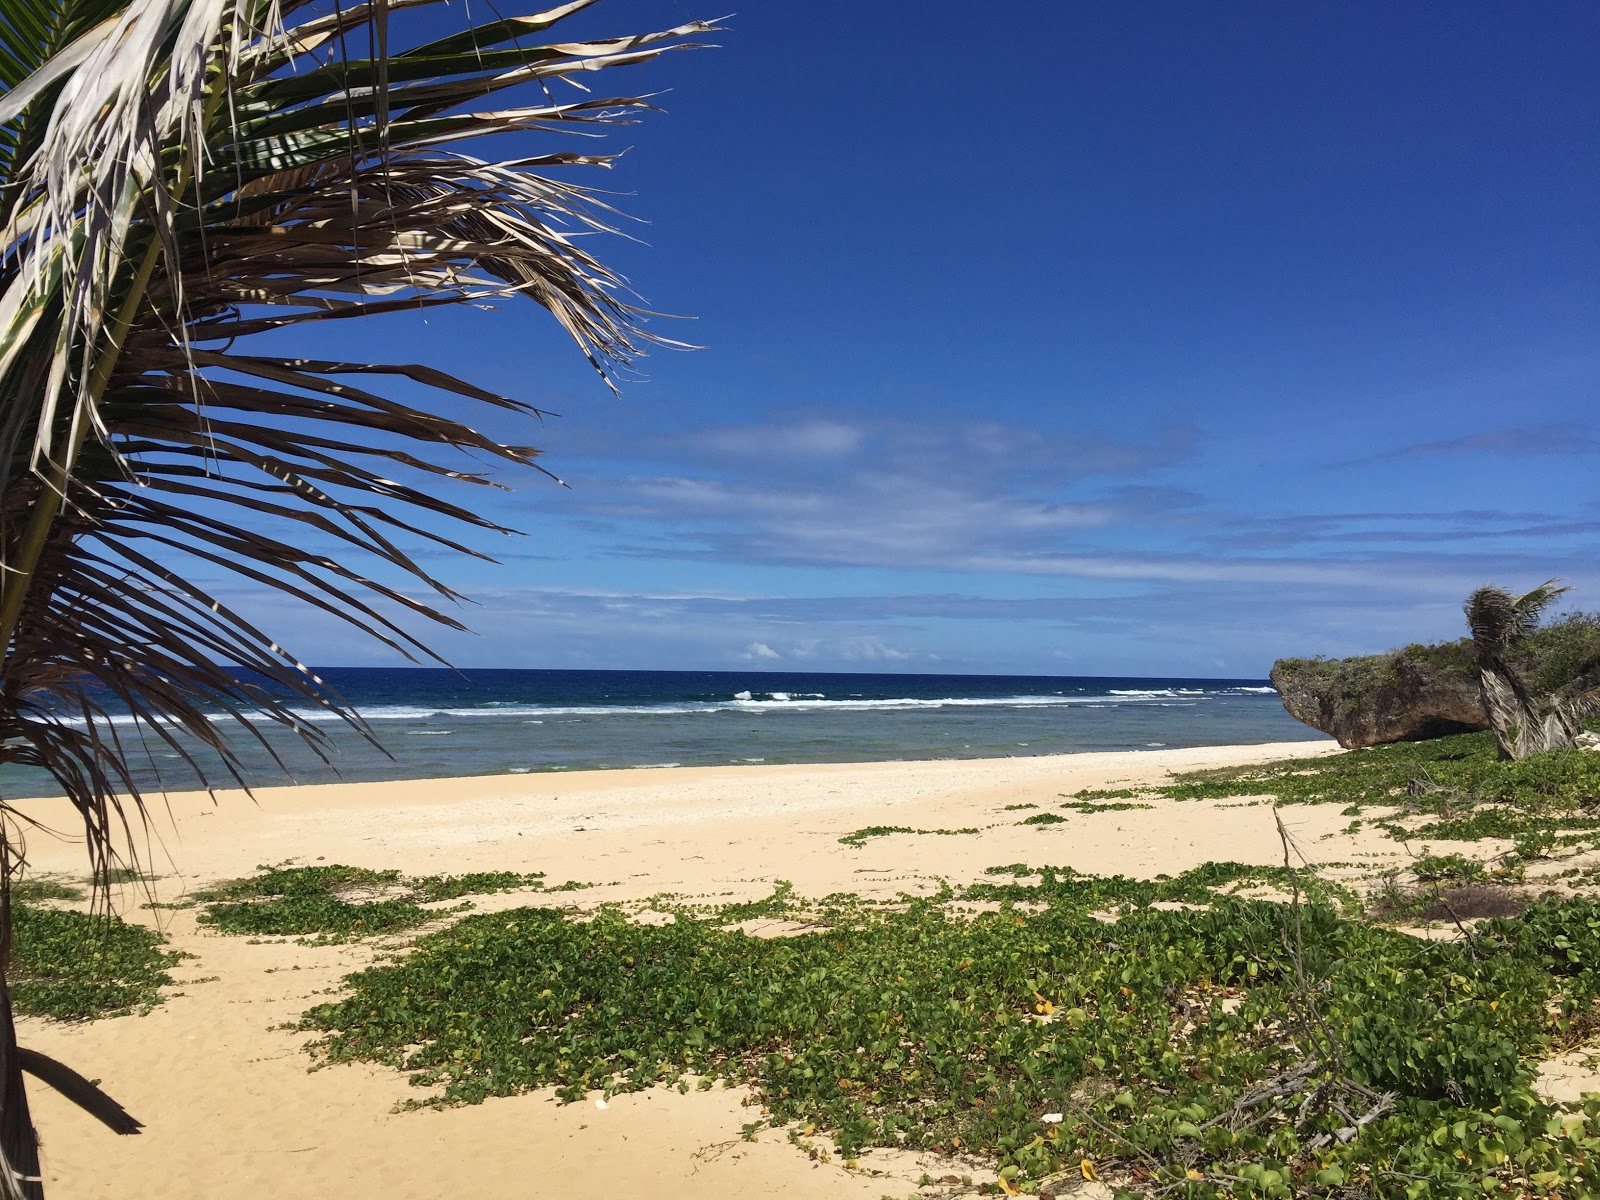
(232, 1110)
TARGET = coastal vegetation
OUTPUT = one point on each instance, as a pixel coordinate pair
(177, 177)
(1236, 1030)
(339, 902)
(1047, 1026)
(1116, 800)
(73, 966)
(1455, 788)
(858, 837)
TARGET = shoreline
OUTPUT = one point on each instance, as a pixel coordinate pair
(459, 811)
(218, 1071)
(284, 781)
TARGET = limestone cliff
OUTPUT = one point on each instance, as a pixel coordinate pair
(1406, 695)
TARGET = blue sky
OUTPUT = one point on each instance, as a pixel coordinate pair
(1160, 338)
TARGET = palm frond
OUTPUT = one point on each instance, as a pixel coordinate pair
(178, 176)
(1523, 723)
(1498, 620)
(1531, 606)
(1491, 617)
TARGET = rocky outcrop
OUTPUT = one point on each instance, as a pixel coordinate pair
(1407, 695)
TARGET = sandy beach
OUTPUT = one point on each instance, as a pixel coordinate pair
(232, 1109)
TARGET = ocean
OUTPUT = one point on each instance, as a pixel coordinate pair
(440, 723)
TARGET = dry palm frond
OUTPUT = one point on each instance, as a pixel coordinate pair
(1499, 620)
(1523, 724)
(176, 176)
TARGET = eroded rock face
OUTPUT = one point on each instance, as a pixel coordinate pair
(1406, 695)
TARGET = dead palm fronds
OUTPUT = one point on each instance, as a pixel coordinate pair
(175, 177)
(1524, 724)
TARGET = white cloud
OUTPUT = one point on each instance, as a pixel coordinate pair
(759, 650)
(809, 438)
(871, 649)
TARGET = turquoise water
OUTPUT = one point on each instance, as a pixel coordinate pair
(438, 723)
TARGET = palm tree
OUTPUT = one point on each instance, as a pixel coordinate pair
(177, 176)
(1524, 724)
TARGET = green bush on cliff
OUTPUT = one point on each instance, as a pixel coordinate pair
(1350, 683)
(1556, 653)
(1551, 657)
(1455, 658)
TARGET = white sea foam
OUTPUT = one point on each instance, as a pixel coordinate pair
(682, 708)
(908, 702)
(751, 703)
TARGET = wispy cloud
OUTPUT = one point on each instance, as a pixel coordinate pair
(844, 489)
(798, 443)
(838, 488)
(1461, 526)
(1148, 614)
(872, 520)
(979, 545)
(1564, 440)
(807, 437)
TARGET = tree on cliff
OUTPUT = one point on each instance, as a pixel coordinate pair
(177, 176)
(1524, 722)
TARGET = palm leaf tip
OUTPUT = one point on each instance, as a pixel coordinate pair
(1532, 605)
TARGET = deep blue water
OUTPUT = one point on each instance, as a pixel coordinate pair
(436, 723)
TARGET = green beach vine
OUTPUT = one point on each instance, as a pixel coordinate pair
(1053, 1025)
